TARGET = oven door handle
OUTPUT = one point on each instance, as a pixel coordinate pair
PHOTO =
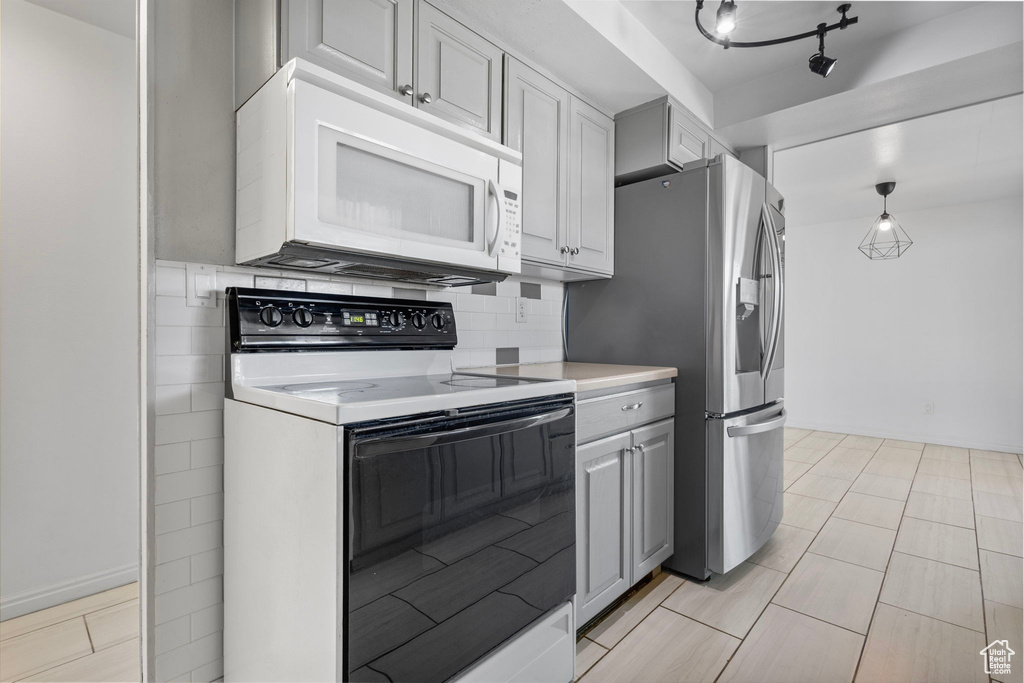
(394, 444)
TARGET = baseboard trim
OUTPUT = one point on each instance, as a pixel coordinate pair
(904, 436)
(65, 591)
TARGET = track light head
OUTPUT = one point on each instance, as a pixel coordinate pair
(726, 19)
(821, 65)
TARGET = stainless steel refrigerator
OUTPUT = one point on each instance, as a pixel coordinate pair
(699, 261)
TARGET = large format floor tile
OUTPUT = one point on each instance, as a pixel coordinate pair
(993, 455)
(48, 617)
(823, 488)
(949, 453)
(858, 507)
(892, 467)
(842, 463)
(666, 647)
(794, 469)
(1001, 578)
(114, 664)
(800, 453)
(784, 549)
(883, 487)
(43, 649)
(941, 542)
(1001, 507)
(942, 486)
(940, 509)
(588, 653)
(998, 483)
(986, 466)
(805, 513)
(787, 647)
(838, 592)
(910, 445)
(113, 625)
(1003, 622)
(903, 646)
(1001, 536)
(818, 442)
(730, 603)
(934, 589)
(945, 468)
(616, 625)
(856, 543)
(867, 443)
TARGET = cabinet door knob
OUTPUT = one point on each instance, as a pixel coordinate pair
(406, 90)
(640, 447)
(564, 250)
(575, 250)
(425, 98)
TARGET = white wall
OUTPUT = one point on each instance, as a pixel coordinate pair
(868, 342)
(69, 456)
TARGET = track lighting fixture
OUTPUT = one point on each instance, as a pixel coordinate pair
(886, 239)
(726, 20)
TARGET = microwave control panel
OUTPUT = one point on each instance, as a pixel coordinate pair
(511, 242)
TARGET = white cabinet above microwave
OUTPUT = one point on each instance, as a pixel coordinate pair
(335, 177)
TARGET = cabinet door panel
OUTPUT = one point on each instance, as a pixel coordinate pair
(460, 71)
(602, 525)
(537, 125)
(591, 177)
(653, 502)
(686, 141)
(367, 40)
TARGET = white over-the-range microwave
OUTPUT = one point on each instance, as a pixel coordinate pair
(335, 177)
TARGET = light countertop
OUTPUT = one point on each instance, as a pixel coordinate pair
(588, 376)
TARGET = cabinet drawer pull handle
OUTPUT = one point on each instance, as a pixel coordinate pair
(635, 406)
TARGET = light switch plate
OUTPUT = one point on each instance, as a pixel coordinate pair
(200, 285)
(521, 307)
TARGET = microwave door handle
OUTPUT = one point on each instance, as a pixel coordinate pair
(395, 444)
(499, 227)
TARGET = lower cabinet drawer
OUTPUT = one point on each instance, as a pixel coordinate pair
(606, 415)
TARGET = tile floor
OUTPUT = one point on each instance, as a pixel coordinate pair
(92, 639)
(895, 561)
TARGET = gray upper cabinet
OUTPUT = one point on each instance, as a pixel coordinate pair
(652, 496)
(367, 40)
(658, 138)
(537, 125)
(458, 73)
(591, 192)
(602, 525)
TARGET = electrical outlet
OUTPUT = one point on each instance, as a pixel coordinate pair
(929, 407)
(521, 303)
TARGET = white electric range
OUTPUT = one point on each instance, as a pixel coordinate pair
(387, 517)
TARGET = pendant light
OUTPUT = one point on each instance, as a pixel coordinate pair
(886, 239)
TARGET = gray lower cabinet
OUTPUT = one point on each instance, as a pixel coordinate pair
(624, 503)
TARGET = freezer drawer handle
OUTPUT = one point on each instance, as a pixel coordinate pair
(635, 406)
(760, 427)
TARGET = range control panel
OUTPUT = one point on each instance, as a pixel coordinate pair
(271, 320)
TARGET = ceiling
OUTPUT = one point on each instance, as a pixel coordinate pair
(672, 23)
(967, 155)
(117, 16)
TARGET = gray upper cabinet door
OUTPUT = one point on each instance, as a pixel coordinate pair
(458, 73)
(591, 188)
(686, 140)
(537, 125)
(653, 502)
(367, 40)
(602, 524)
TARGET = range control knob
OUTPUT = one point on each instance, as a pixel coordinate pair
(438, 321)
(271, 316)
(396, 318)
(419, 320)
(302, 317)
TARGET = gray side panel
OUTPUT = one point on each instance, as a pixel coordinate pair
(652, 313)
(256, 46)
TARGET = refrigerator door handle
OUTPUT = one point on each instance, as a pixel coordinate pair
(760, 427)
(775, 252)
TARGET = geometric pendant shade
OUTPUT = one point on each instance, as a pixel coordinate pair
(886, 239)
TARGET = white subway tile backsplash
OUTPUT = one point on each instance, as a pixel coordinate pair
(173, 516)
(443, 295)
(208, 564)
(207, 621)
(328, 287)
(208, 508)
(188, 369)
(470, 302)
(172, 575)
(189, 427)
(552, 292)
(191, 541)
(285, 283)
(207, 453)
(173, 398)
(189, 657)
(209, 340)
(495, 339)
(173, 341)
(171, 310)
(173, 634)
(227, 279)
(170, 281)
(470, 339)
(498, 304)
(371, 290)
(172, 457)
(188, 484)
(207, 396)
(207, 673)
(508, 287)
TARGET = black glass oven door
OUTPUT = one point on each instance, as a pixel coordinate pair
(461, 533)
